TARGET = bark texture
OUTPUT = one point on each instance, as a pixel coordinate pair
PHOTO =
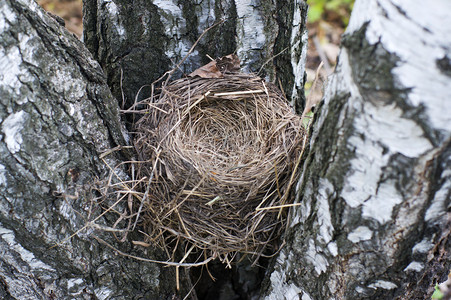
(376, 187)
(137, 41)
(57, 115)
(375, 190)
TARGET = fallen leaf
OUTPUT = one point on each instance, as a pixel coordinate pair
(216, 68)
(210, 70)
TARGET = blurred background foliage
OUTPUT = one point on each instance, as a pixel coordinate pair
(324, 9)
(438, 295)
(69, 10)
(327, 20)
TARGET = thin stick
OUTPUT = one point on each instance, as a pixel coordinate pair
(117, 148)
(277, 207)
(122, 90)
(261, 68)
(290, 182)
(89, 224)
(192, 288)
(238, 93)
(167, 263)
(147, 189)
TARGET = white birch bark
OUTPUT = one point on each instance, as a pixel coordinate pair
(57, 116)
(375, 191)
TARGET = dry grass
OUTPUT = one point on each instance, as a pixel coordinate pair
(216, 154)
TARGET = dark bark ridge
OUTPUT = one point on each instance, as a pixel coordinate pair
(57, 116)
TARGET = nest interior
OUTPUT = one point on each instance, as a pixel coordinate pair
(220, 156)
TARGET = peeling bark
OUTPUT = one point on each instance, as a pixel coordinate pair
(57, 115)
(375, 191)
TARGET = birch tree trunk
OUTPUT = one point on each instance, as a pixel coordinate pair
(57, 115)
(375, 190)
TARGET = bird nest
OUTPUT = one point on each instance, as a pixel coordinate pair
(220, 156)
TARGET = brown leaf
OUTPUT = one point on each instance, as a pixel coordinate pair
(215, 69)
(210, 70)
(315, 95)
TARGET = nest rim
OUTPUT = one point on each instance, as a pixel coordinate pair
(213, 192)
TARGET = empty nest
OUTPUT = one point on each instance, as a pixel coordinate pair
(220, 156)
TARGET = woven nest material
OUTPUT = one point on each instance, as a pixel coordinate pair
(219, 153)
